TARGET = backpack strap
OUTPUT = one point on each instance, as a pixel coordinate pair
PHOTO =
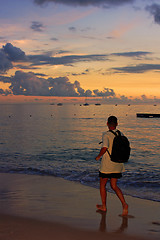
(116, 132)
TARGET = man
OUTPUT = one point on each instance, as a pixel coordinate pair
(108, 169)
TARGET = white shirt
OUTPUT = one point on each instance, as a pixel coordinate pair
(107, 166)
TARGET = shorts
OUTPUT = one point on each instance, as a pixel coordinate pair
(110, 175)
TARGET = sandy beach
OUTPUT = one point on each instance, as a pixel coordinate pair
(45, 207)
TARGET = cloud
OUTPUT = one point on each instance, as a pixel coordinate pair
(154, 10)
(25, 67)
(82, 73)
(5, 63)
(14, 53)
(9, 54)
(37, 26)
(62, 87)
(99, 3)
(30, 84)
(64, 60)
(105, 93)
(137, 54)
(54, 39)
(73, 29)
(141, 68)
(80, 90)
(5, 92)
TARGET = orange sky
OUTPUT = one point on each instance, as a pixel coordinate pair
(60, 50)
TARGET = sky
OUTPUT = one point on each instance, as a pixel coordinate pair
(76, 49)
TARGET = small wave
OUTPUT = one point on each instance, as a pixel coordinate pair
(86, 118)
(91, 179)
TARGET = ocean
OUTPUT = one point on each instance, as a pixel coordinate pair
(63, 141)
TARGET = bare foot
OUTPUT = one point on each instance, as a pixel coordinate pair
(125, 210)
(101, 208)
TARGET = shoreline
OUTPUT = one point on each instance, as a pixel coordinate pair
(47, 200)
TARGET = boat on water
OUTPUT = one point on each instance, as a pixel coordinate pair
(97, 104)
(59, 104)
(86, 104)
(148, 115)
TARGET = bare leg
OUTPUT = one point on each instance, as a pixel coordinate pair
(103, 193)
(119, 193)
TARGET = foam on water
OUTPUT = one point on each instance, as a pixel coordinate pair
(63, 142)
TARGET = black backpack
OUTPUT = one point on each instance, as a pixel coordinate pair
(120, 148)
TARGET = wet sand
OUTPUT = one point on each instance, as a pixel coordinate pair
(44, 207)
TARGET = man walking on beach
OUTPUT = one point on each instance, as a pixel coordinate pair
(108, 169)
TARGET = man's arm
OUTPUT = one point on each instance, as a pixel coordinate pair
(101, 153)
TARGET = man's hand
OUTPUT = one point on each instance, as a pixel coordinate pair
(97, 158)
(102, 151)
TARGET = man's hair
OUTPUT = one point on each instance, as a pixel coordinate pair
(112, 120)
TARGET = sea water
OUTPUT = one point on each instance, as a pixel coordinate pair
(63, 141)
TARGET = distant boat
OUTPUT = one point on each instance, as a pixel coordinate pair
(97, 104)
(59, 104)
(51, 103)
(148, 115)
(86, 104)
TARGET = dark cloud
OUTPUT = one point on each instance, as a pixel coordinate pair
(64, 60)
(141, 68)
(82, 73)
(137, 54)
(37, 26)
(54, 39)
(5, 63)
(105, 93)
(154, 10)
(62, 87)
(73, 29)
(14, 53)
(9, 54)
(80, 90)
(5, 79)
(41, 74)
(99, 3)
(30, 84)
(86, 29)
(25, 67)
(4, 92)
(45, 59)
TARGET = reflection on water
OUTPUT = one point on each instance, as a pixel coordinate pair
(63, 141)
(103, 223)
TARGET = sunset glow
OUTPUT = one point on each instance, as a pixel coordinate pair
(76, 49)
